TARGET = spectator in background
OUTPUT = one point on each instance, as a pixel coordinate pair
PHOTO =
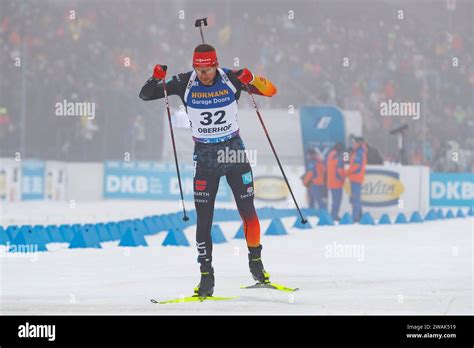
(409, 60)
(87, 128)
(356, 173)
(335, 178)
(314, 179)
(6, 126)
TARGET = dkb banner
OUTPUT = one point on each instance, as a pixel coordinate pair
(152, 180)
(452, 189)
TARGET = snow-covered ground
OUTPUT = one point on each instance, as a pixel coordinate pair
(422, 268)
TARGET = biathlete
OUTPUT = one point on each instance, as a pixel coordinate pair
(210, 95)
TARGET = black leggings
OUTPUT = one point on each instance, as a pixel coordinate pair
(210, 165)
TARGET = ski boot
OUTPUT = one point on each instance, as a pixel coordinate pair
(205, 287)
(256, 265)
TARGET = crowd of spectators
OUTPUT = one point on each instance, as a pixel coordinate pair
(353, 54)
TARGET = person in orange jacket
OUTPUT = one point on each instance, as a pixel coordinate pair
(356, 173)
(335, 178)
(314, 179)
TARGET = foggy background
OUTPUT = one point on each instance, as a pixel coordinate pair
(108, 51)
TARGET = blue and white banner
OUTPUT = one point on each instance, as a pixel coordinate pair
(321, 128)
(32, 179)
(452, 189)
(152, 180)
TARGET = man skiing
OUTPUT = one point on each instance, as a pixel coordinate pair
(210, 95)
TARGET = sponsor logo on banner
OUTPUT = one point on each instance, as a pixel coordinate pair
(270, 188)
(323, 122)
(452, 189)
(381, 188)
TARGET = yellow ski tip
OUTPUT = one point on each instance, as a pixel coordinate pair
(193, 299)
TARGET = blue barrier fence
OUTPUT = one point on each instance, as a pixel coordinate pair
(132, 232)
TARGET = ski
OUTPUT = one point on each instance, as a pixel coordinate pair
(270, 286)
(193, 298)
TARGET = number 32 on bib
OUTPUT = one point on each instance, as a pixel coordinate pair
(212, 110)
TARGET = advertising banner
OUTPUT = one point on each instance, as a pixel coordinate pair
(321, 127)
(55, 181)
(452, 189)
(392, 189)
(272, 190)
(10, 180)
(32, 179)
(152, 180)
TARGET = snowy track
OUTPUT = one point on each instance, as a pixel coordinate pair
(399, 269)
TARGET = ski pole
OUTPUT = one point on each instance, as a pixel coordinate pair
(303, 220)
(185, 218)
